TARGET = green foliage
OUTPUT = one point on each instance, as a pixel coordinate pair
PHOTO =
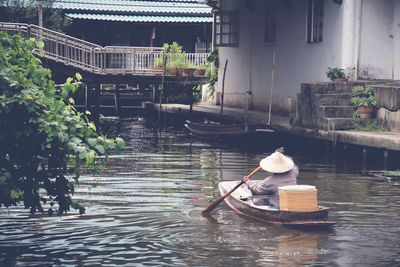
(203, 66)
(213, 58)
(190, 65)
(369, 125)
(44, 140)
(363, 96)
(392, 173)
(175, 56)
(212, 74)
(26, 11)
(177, 63)
(197, 92)
(334, 73)
(158, 62)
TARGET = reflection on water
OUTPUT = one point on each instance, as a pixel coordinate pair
(146, 210)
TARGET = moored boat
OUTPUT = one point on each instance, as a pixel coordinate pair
(212, 129)
(241, 201)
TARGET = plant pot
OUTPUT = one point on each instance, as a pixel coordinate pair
(180, 71)
(200, 72)
(365, 112)
(158, 71)
(174, 71)
(189, 71)
(340, 79)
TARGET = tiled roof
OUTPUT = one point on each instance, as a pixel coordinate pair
(119, 6)
(134, 18)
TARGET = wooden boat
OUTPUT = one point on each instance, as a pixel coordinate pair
(212, 129)
(241, 201)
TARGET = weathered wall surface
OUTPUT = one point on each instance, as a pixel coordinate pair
(377, 40)
(388, 105)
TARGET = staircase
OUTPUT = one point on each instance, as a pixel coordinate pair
(325, 106)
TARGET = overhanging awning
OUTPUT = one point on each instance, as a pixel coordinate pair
(144, 19)
(134, 7)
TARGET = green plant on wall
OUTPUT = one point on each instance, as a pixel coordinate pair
(212, 74)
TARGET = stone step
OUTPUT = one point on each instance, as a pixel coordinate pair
(328, 87)
(338, 123)
(334, 99)
(337, 111)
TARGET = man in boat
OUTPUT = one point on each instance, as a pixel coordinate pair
(284, 172)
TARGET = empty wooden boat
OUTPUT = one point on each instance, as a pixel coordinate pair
(212, 129)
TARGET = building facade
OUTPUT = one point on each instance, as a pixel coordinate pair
(307, 37)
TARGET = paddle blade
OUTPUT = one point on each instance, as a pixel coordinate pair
(216, 202)
(219, 200)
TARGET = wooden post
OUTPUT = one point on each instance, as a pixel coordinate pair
(154, 93)
(272, 86)
(40, 13)
(162, 84)
(385, 159)
(117, 100)
(190, 90)
(364, 158)
(246, 111)
(223, 88)
(96, 105)
(86, 97)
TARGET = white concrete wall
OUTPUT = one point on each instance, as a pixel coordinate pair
(377, 39)
(396, 40)
(358, 35)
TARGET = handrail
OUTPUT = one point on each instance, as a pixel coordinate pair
(94, 58)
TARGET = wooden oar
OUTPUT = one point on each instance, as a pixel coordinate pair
(216, 202)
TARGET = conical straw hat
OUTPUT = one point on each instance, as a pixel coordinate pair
(276, 163)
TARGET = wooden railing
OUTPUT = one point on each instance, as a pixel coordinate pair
(93, 58)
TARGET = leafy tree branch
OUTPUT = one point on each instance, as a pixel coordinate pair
(44, 140)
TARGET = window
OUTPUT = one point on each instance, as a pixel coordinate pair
(226, 28)
(315, 14)
(270, 25)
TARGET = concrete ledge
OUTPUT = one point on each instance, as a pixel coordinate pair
(384, 140)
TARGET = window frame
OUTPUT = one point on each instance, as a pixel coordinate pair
(314, 21)
(232, 25)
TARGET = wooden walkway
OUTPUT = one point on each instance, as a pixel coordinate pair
(65, 55)
(92, 58)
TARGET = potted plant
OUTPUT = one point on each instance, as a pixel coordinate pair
(175, 58)
(364, 99)
(158, 66)
(178, 66)
(336, 75)
(189, 69)
(201, 70)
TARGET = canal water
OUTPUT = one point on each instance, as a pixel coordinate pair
(146, 209)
